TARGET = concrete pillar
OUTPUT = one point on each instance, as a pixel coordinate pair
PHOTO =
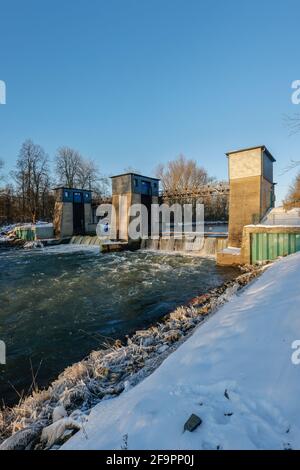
(133, 189)
(251, 189)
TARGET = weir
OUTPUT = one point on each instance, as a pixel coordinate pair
(211, 246)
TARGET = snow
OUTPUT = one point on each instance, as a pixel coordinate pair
(235, 372)
(274, 225)
(278, 216)
(232, 250)
(68, 249)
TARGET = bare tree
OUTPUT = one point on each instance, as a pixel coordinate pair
(292, 123)
(75, 171)
(293, 197)
(67, 162)
(87, 174)
(89, 177)
(181, 174)
(32, 178)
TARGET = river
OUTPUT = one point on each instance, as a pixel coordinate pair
(58, 304)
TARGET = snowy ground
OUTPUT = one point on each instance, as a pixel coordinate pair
(245, 350)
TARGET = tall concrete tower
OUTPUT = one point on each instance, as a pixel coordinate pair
(251, 189)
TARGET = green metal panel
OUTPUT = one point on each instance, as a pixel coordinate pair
(25, 233)
(268, 246)
(297, 241)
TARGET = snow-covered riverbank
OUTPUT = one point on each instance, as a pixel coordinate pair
(106, 373)
(235, 372)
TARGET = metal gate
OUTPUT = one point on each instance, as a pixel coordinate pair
(268, 246)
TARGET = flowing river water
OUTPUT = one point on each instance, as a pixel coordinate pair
(58, 304)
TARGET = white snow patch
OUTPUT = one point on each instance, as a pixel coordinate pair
(232, 250)
(245, 350)
(274, 226)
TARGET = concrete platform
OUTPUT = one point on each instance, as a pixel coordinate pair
(229, 257)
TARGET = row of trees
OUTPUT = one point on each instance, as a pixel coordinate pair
(29, 196)
(181, 175)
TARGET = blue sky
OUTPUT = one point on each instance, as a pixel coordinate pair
(137, 82)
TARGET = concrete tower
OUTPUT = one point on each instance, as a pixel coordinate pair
(251, 189)
(134, 189)
(72, 212)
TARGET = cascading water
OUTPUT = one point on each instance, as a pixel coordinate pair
(207, 247)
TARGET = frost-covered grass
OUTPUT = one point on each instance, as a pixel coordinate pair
(235, 372)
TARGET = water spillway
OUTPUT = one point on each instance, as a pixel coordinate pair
(92, 240)
(209, 247)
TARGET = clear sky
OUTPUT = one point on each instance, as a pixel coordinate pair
(137, 82)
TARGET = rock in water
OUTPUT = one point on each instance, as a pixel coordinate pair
(192, 423)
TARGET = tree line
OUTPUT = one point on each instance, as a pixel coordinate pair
(29, 195)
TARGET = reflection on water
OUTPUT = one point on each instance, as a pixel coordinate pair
(57, 304)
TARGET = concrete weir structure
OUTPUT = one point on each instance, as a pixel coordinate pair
(129, 189)
(72, 212)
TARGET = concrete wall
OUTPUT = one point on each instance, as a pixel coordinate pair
(131, 183)
(227, 258)
(121, 184)
(130, 188)
(123, 219)
(88, 218)
(266, 196)
(248, 231)
(63, 212)
(63, 219)
(251, 187)
(267, 168)
(67, 220)
(245, 164)
(121, 206)
(57, 218)
(244, 205)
